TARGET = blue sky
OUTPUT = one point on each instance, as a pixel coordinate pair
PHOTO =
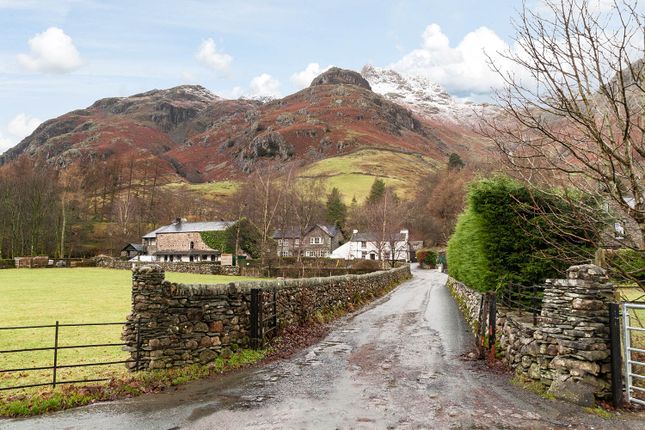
(56, 56)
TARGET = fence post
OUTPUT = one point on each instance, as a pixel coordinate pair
(492, 324)
(534, 305)
(616, 359)
(138, 327)
(255, 317)
(55, 355)
(275, 310)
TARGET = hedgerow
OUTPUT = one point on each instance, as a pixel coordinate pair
(511, 233)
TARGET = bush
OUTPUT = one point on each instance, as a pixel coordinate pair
(506, 234)
(8, 263)
(224, 241)
(427, 257)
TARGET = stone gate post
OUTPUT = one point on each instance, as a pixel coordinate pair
(147, 302)
(573, 337)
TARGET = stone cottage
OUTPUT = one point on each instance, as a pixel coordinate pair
(182, 241)
(318, 240)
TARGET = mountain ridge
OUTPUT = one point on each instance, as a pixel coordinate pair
(199, 136)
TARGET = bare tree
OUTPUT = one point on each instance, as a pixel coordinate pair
(307, 197)
(384, 220)
(261, 196)
(573, 106)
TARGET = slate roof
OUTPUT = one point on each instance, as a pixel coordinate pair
(294, 232)
(135, 246)
(373, 237)
(190, 227)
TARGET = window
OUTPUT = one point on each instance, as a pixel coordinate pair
(280, 242)
(285, 253)
(171, 258)
(363, 254)
(316, 240)
(363, 244)
(191, 258)
(192, 245)
(212, 258)
(297, 242)
(165, 258)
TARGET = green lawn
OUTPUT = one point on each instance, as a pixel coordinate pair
(79, 295)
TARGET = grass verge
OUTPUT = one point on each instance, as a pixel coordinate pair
(134, 384)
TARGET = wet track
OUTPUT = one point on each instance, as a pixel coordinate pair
(396, 364)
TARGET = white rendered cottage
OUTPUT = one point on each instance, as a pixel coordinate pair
(373, 246)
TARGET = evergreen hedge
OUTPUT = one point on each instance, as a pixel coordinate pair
(506, 234)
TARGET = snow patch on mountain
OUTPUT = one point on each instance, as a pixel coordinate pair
(423, 96)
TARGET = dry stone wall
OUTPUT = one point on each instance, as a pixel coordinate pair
(468, 300)
(180, 267)
(568, 351)
(173, 325)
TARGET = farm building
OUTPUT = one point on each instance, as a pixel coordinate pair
(132, 250)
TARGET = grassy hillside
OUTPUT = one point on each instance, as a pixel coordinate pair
(354, 173)
(210, 190)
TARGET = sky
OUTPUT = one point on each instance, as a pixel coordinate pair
(56, 56)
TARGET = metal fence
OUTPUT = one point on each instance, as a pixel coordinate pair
(55, 348)
(522, 298)
(634, 352)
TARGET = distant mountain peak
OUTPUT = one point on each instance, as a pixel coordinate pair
(422, 96)
(336, 75)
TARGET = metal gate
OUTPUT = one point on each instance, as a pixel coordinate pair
(263, 316)
(634, 351)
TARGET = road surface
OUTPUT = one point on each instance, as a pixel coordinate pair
(396, 364)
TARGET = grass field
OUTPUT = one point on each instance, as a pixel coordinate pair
(80, 295)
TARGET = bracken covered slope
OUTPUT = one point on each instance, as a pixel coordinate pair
(201, 137)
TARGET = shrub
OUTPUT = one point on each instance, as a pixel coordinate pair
(510, 233)
(427, 257)
(7, 263)
(224, 241)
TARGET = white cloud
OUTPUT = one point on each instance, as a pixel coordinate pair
(462, 69)
(261, 87)
(304, 77)
(265, 85)
(21, 126)
(5, 143)
(51, 51)
(209, 56)
(187, 77)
